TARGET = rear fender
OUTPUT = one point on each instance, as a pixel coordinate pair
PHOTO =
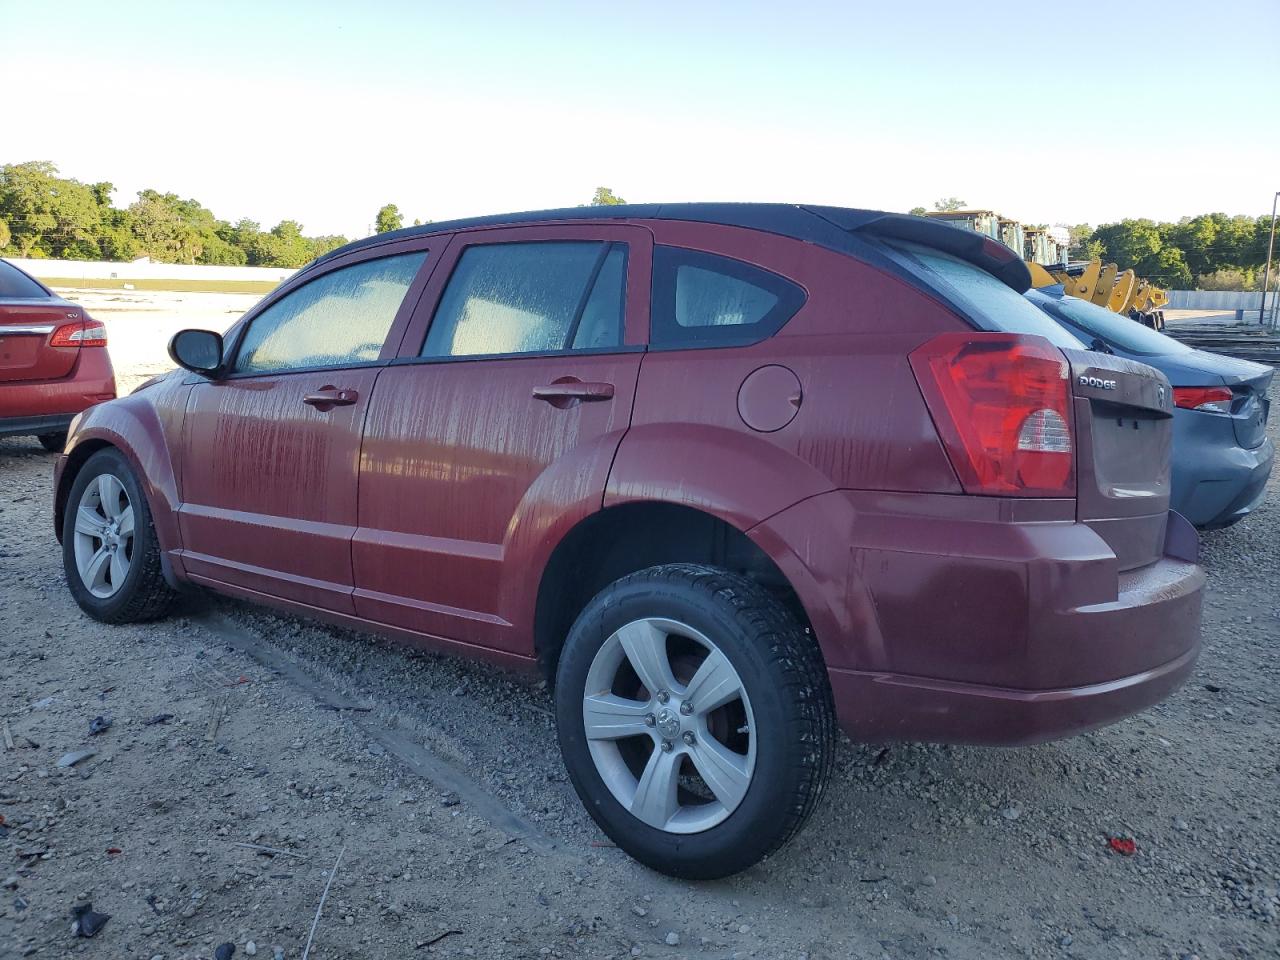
(736, 476)
(567, 492)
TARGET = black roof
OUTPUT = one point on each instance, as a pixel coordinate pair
(839, 228)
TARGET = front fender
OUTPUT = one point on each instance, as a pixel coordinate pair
(147, 429)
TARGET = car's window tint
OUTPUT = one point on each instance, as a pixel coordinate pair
(1093, 320)
(984, 297)
(535, 297)
(337, 319)
(16, 285)
(705, 299)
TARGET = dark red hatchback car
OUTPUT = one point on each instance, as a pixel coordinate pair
(731, 474)
(53, 360)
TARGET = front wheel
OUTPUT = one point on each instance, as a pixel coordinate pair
(695, 719)
(109, 547)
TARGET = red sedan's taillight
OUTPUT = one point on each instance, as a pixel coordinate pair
(1208, 399)
(82, 333)
(1002, 406)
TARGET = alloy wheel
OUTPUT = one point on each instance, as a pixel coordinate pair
(104, 536)
(669, 726)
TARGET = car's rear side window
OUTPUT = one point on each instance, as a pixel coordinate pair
(16, 285)
(1093, 320)
(531, 297)
(702, 299)
(984, 297)
(338, 319)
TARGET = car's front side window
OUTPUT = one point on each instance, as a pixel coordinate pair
(531, 297)
(338, 319)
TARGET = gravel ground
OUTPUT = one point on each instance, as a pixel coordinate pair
(460, 836)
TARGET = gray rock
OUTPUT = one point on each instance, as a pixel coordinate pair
(74, 757)
(673, 939)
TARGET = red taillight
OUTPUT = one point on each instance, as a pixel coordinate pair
(83, 333)
(1002, 405)
(1208, 399)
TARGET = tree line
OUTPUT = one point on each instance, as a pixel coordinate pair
(1212, 251)
(46, 215)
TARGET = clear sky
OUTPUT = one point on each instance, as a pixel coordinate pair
(321, 112)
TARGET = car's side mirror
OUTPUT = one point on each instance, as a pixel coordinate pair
(199, 351)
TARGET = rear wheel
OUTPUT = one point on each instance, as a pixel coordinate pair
(53, 442)
(695, 719)
(109, 548)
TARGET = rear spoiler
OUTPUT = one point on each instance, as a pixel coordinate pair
(991, 255)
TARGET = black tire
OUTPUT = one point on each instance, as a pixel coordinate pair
(53, 442)
(144, 595)
(781, 670)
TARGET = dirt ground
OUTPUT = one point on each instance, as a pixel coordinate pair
(439, 785)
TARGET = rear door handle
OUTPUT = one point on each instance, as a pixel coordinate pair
(570, 391)
(326, 398)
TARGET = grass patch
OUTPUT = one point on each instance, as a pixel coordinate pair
(257, 287)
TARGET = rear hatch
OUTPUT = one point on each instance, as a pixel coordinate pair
(26, 336)
(1124, 439)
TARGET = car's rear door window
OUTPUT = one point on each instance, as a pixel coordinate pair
(531, 297)
(983, 297)
(702, 299)
(1093, 320)
(339, 319)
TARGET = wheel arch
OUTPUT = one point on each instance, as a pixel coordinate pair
(622, 539)
(133, 427)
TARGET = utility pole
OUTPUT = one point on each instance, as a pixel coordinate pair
(1266, 270)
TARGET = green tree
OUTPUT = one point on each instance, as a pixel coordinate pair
(322, 245)
(4, 234)
(1131, 243)
(948, 204)
(604, 197)
(389, 218)
(917, 211)
(48, 215)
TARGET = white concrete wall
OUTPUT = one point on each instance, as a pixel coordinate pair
(1215, 300)
(138, 270)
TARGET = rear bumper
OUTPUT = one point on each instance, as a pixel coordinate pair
(35, 426)
(918, 708)
(971, 620)
(90, 381)
(1216, 486)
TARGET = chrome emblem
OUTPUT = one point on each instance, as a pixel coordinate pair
(1097, 382)
(668, 724)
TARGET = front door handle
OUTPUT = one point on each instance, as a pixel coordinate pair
(326, 398)
(570, 391)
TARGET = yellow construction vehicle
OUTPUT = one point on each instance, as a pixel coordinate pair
(1120, 292)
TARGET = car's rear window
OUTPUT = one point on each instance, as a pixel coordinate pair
(16, 285)
(1113, 329)
(983, 297)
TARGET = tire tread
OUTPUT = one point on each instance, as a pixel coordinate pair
(793, 654)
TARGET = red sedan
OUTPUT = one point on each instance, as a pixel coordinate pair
(53, 360)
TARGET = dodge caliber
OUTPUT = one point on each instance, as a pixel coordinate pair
(734, 476)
